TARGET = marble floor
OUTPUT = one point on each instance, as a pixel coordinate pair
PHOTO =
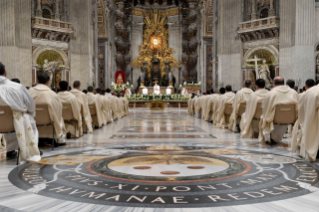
(161, 161)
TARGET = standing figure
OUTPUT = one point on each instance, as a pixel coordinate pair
(50, 68)
(264, 74)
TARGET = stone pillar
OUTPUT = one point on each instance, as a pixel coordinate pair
(39, 9)
(57, 15)
(175, 41)
(214, 46)
(271, 9)
(229, 46)
(136, 41)
(15, 39)
(297, 40)
(253, 10)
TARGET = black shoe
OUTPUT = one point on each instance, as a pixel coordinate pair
(12, 154)
(41, 153)
(272, 142)
(238, 128)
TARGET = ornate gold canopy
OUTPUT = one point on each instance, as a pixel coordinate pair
(155, 44)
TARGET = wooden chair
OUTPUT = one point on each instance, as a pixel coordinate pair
(285, 114)
(228, 111)
(93, 114)
(68, 116)
(6, 116)
(42, 118)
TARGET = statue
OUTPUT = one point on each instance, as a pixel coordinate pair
(157, 89)
(119, 81)
(143, 74)
(50, 68)
(264, 74)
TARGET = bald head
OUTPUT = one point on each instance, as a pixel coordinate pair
(278, 81)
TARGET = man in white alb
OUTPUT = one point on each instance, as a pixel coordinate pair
(26, 134)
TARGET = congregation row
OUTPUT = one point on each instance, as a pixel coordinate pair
(265, 114)
(39, 112)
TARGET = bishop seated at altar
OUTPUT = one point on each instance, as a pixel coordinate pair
(43, 95)
(22, 105)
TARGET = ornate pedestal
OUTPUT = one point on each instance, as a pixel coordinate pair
(192, 89)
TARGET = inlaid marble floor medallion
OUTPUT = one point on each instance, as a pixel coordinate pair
(170, 176)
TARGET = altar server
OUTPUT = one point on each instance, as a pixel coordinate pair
(21, 103)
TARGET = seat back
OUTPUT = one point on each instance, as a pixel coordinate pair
(42, 115)
(228, 109)
(6, 116)
(258, 112)
(242, 108)
(92, 110)
(67, 112)
(285, 114)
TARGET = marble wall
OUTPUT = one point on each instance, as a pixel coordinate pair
(15, 39)
(297, 40)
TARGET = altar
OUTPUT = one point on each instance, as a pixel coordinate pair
(151, 90)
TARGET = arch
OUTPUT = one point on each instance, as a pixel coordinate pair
(39, 50)
(47, 8)
(270, 48)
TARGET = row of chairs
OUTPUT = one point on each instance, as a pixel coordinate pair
(284, 114)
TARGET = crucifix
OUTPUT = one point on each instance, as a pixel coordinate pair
(256, 59)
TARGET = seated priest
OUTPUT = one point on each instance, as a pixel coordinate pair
(248, 126)
(94, 101)
(101, 98)
(113, 100)
(43, 95)
(242, 96)
(207, 113)
(17, 97)
(108, 104)
(280, 94)
(228, 97)
(124, 103)
(67, 97)
(82, 100)
(204, 106)
(120, 104)
(308, 113)
(213, 104)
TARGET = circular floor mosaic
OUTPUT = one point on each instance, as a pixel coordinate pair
(168, 177)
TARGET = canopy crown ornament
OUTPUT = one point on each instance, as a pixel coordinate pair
(155, 44)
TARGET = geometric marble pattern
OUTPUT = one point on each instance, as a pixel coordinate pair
(162, 172)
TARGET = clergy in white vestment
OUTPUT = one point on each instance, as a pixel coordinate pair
(204, 107)
(114, 105)
(228, 97)
(103, 104)
(108, 104)
(280, 94)
(242, 96)
(108, 92)
(247, 124)
(94, 101)
(17, 97)
(43, 95)
(67, 97)
(308, 114)
(213, 104)
(82, 99)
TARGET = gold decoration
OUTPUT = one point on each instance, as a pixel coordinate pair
(19, 135)
(155, 44)
(32, 144)
(50, 56)
(145, 13)
(29, 128)
(18, 118)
